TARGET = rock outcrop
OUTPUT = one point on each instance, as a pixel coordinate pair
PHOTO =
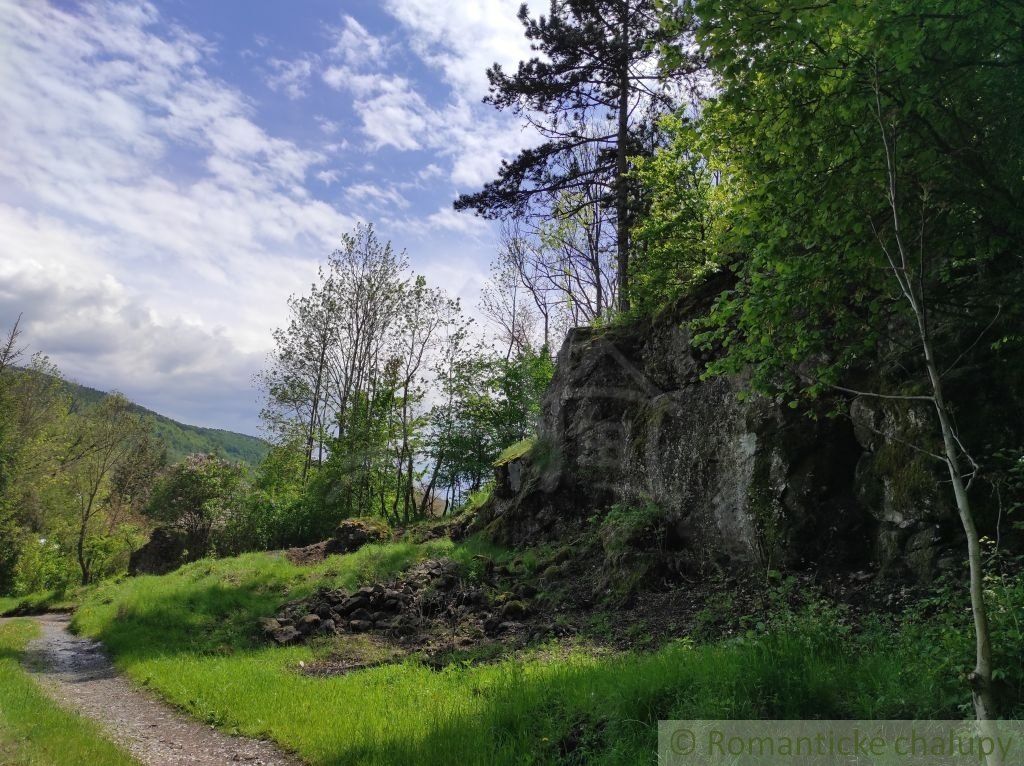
(166, 550)
(739, 481)
(349, 536)
(352, 534)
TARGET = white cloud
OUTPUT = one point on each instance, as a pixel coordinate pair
(444, 220)
(465, 44)
(291, 77)
(188, 263)
(328, 177)
(430, 172)
(447, 218)
(395, 113)
(376, 196)
(327, 127)
(91, 323)
(151, 227)
(356, 46)
(392, 112)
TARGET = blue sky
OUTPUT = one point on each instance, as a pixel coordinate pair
(171, 172)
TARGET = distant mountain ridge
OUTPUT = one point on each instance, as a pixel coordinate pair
(182, 439)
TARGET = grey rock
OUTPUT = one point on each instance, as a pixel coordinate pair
(358, 601)
(740, 483)
(269, 625)
(286, 635)
(326, 626)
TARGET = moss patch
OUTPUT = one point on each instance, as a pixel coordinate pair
(515, 451)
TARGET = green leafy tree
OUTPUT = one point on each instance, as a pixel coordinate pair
(199, 496)
(106, 441)
(491, 402)
(874, 156)
(677, 240)
(33, 449)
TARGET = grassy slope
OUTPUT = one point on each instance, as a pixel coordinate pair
(33, 729)
(191, 636)
(181, 439)
(38, 603)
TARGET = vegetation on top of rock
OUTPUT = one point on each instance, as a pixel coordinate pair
(515, 451)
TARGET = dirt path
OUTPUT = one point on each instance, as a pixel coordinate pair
(78, 674)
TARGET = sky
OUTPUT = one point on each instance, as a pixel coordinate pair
(171, 172)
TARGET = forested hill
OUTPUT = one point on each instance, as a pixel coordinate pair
(182, 439)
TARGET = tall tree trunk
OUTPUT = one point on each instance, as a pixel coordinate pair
(428, 491)
(83, 565)
(622, 167)
(314, 410)
(83, 530)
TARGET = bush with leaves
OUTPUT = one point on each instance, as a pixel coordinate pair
(199, 496)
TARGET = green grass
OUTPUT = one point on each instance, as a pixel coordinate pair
(34, 731)
(191, 637)
(37, 603)
(515, 451)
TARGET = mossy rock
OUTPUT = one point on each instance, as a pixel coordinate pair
(353, 534)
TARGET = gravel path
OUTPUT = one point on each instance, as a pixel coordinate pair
(78, 674)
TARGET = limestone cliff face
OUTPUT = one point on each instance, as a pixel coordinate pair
(740, 482)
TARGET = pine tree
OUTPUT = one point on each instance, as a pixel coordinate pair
(596, 84)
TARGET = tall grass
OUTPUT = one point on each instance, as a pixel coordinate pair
(39, 602)
(33, 729)
(191, 636)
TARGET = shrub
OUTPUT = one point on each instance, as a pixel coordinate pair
(44, 565)
(198, 495)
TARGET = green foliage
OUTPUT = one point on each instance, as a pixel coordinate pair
(804, 98)
(198, 495)
(277, 510)
(182, 440)
(676, 242)
(478, 498)
(44, 565)
(623, 526)
(76, 468)
(492, 402)
(35, 730)
(33, 440)
(515, 451)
